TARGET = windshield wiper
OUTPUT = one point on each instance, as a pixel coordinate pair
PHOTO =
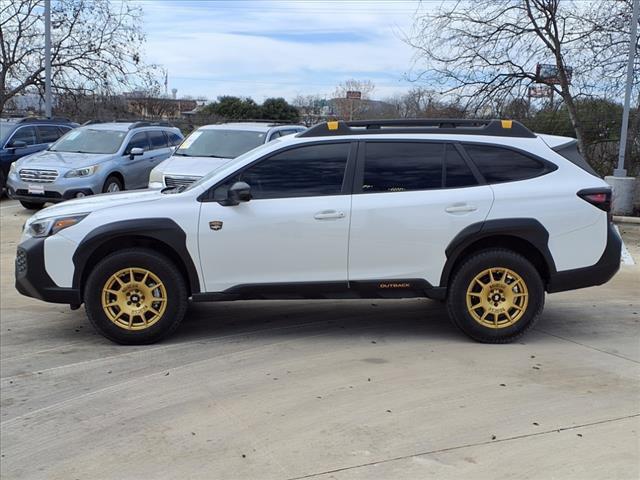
(176, 189)
(182, 155)
(215, 156)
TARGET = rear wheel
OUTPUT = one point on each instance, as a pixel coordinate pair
(32, 205)
(135, 296)
(495, 296)
(112, 184)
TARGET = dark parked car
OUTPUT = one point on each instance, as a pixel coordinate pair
(20, 137)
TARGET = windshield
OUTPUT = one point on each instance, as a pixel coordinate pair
(220, 143)
(86, 140)
(252, 153)
(5, 130)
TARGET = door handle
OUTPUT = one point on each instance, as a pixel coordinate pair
(460, 208)
(328, 215)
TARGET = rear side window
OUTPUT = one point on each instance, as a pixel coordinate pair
(499, 165)
(457, 172)
(48, 133)
(402, 167)
(157, 139)
(571, 153)
(174, 139)
(308, 171)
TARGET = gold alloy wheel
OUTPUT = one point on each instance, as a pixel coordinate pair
(497, 298)
(134, 298)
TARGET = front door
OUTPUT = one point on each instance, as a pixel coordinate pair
(136, 169)
(410, 200)
(293, 231)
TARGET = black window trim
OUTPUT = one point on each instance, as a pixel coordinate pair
(347, 181)
(548, 166)
(359, 174)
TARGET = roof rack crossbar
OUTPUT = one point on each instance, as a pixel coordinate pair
(465, 126)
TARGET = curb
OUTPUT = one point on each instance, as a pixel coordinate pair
(620, 219)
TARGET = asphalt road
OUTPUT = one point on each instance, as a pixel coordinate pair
(328, 390)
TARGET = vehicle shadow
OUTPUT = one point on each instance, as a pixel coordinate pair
(379, 318)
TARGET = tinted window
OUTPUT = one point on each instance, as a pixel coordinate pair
(158, 139)
(300, 172)
(174, 139)
(139, 140)
(457, 172)
(502, 165)
(401, 167)
(25, 134)
(274, 135)
(48, 133)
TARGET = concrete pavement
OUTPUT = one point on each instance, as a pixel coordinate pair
(351, 389)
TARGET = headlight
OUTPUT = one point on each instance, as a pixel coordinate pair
(51, 226)
(13, 168)
(155, 176)
(82, 172)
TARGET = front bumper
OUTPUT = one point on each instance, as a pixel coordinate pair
(59, 191)
(597, 274)
(32, 280)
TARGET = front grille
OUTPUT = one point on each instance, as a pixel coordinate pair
(21, 261)
(47, 194)
(179, 181)
(38, 176)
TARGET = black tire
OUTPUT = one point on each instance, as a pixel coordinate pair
(524, 318)
(138, 258)
(32, 205)
(110, 182)
(3, 183)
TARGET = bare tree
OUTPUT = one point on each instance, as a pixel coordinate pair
(352, 108)
(486, 51)
(95, 47)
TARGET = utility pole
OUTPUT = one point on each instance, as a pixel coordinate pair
(621, 171)
(47, 58)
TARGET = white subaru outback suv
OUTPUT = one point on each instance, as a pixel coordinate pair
(482, 214)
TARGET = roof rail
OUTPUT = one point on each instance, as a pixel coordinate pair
(149, 124)
(40, 120)
(490, 127)
(91, 122)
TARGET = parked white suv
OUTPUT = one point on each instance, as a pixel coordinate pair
(211, 146)
(484, 215)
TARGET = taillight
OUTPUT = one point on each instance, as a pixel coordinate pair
(598, 197)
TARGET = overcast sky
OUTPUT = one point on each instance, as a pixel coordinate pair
(264, 48)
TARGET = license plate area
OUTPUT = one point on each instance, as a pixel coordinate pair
(35, 189)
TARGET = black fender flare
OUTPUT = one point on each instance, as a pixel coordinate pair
(163, 230)
(527, 229)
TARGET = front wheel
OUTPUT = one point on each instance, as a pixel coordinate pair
(495, 296)
(112, 184)
(32, 205)
(135, 296)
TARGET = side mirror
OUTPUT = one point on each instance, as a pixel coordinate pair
(17, 144)
(135, 151)
(238, 192)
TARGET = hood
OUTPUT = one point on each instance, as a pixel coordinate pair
(46, 158)
(191, 166)
(98, 202)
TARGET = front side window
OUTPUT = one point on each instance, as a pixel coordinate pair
(87, 140)
(26, 135)
(139, 140)
(220, 143)
(498, 165)
(158, 139)
(402, 166)
(308, 171)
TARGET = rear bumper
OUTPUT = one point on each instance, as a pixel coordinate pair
(597, 274)
(32, 279)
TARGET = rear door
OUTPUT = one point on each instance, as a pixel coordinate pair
(410, 200)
